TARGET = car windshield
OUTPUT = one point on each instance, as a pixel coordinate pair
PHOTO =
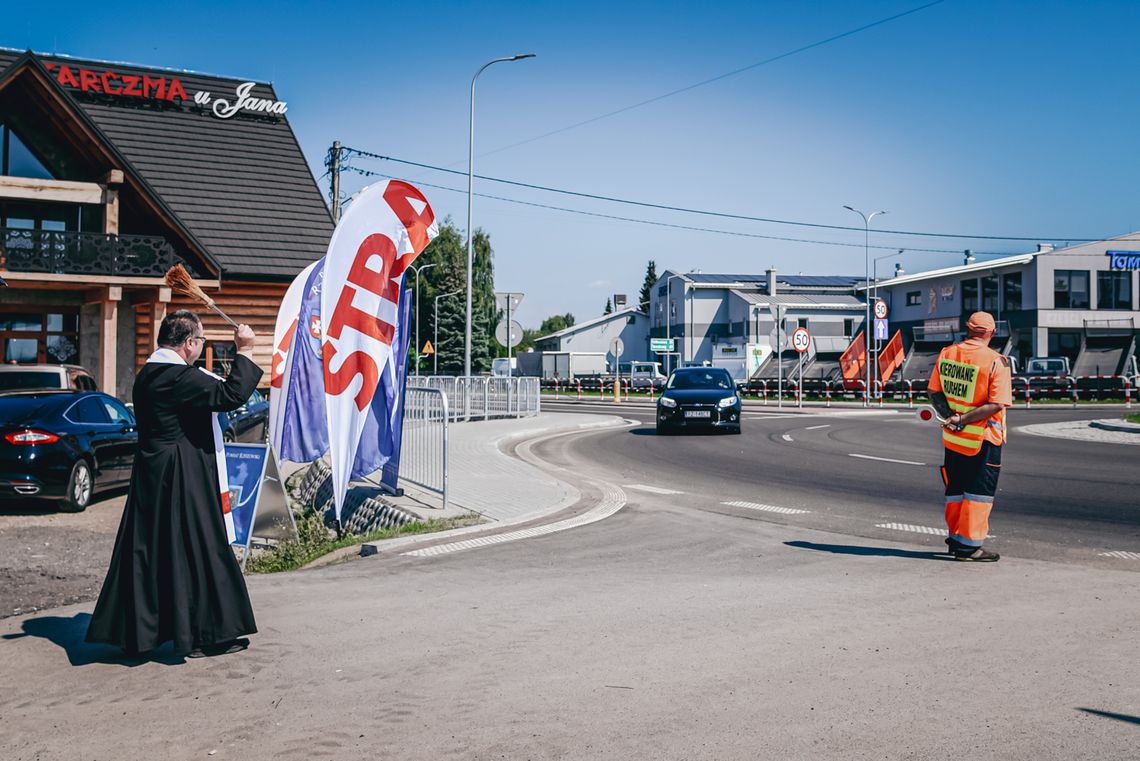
(19, 380)
(690, 379)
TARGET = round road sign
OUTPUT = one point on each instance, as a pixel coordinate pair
(880, 309)
(801, 340)
(617, 346)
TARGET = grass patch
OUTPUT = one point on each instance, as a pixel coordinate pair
(1132, 418)
(315, 541)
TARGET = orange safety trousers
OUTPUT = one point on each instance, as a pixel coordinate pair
(971, 483)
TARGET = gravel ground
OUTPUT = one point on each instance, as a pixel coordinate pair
(48, 558)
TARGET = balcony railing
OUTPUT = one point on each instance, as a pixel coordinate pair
(71, 253)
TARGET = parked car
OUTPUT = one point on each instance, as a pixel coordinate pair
(249, 422)
(64, 445)
(699, 397)
(74, 377)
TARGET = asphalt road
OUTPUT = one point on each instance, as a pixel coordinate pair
(1057, 499)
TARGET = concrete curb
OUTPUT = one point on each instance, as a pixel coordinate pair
(397, 543)
(1122, 426)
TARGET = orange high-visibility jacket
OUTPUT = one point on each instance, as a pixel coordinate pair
(971, 374)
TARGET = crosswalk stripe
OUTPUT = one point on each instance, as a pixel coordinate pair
(767, 508)
(1122, 554)
(915, 529)
(652, 489)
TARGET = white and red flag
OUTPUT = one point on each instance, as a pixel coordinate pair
(383, 230)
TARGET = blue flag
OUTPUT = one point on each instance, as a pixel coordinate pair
(304, 429)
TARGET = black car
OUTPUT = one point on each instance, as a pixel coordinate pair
(249, 422)
(64, 445)
(699, 397)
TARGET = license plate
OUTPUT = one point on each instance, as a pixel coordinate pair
(698, 413)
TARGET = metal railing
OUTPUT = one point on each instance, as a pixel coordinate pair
(74, 253)
(423, 451)
(484, 398)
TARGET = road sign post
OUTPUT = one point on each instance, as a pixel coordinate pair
(801, 342)
(616, 347)
(662, 345)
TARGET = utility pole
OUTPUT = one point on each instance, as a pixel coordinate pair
(334, 178)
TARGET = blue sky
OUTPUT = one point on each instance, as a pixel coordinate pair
(979, 118)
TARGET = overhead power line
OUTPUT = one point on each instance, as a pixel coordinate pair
(726, 75)
(720, 214)
(655, 223)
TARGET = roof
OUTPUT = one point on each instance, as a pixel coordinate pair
(239, 185)
(989, 264)
(580, 326)
(837, 301)
(804, 281)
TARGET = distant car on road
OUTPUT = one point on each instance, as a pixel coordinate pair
(64, 445)
(248, 423)
(699, 397)
(74, 377)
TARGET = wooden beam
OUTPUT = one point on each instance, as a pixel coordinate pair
(111, 212)
(65, 191)
(109, 344)
(82, 282)
(113, 177)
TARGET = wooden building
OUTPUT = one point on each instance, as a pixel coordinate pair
(109, 174)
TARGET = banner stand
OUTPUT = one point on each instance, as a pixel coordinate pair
(245, 467)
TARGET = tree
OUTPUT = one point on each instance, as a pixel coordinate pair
(609, 307)
(647, 285)
(555, 323)
(448, 252)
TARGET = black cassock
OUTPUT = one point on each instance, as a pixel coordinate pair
(173, 575)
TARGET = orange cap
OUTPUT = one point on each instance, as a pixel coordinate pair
(981, 322)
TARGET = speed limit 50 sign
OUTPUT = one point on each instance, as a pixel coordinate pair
(880, 309)
(801, 340)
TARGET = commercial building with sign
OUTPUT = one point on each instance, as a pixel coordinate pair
(597, 335)
(109, 174)
(1078, 302)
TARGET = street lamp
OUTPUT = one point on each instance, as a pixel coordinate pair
(867, 273)
(435, 358)
(417, 303)
(470, 186)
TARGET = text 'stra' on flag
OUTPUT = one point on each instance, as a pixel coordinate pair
(384, 228)
(287, 318)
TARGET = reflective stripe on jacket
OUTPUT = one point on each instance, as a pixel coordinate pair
(966, 373)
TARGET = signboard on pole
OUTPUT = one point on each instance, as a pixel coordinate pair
(881, 329)
(801, 340)
(880, 309)
(509, 340)
(245, 469)
(662, 345)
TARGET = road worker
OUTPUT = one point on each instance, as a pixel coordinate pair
(975, 382)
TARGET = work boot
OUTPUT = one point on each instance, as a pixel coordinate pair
(953, 546)
(979, 555)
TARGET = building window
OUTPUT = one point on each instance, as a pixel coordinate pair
(1071, 289)
(803, 322)
(969, 296)
(990, 294)
(1012, 283)
(17, 160)
(913, 298)
(1114, 290)
(1064, 343)
(848, 327)
(39, 337)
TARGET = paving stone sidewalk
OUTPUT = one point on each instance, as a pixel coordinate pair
(1112, 431)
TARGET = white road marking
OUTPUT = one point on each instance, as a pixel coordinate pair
(885, 459)
(914, 529)
(786, 437)
(1120, 554)
(767, 508)
(817, 427)
(613, 500)
(652, 489)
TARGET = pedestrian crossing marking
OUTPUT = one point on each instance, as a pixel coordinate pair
(652, 489)
(915, 529)
(1122, 554)
(767, 508)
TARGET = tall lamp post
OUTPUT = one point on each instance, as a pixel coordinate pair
(867, 274)
(417, 302)
(470, 186)
(435, 358)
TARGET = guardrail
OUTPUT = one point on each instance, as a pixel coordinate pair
(423, 450)
(484, 398)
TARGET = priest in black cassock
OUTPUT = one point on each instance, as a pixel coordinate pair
(173, 575)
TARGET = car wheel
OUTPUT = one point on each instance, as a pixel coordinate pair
(663, 430)
(735, 431)
(80, 486)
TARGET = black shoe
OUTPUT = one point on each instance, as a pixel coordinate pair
(220, 648)
(979, 555)
(954, 547)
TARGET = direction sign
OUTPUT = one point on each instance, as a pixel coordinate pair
(661, 345)
(801, 340)
(515, 336)
(880, 309)
(881, 330)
